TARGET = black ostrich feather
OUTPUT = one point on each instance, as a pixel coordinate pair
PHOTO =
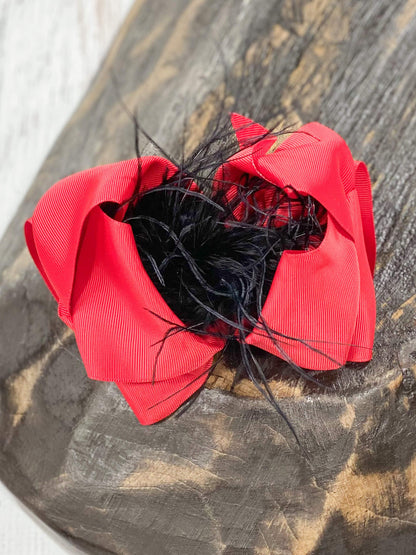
(213, 257)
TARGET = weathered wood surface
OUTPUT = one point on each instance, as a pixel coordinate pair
(228, 477)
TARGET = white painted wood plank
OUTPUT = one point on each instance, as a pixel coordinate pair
(49, 52)
(23, 534)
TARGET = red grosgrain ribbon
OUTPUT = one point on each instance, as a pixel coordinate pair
(323, 297)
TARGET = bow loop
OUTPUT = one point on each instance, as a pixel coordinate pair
(54, 232)
(247, 131)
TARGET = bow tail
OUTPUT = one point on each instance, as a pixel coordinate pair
(152, 402)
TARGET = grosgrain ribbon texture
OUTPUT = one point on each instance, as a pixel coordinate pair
(323, 297)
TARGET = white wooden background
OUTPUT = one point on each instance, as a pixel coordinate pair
(49, 52)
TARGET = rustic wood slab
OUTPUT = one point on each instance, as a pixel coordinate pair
(227, 476)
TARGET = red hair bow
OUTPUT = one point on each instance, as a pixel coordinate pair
(91, 265)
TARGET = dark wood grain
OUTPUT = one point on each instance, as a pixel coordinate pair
(227, 477)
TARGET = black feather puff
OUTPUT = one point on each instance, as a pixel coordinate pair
(213, 256)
